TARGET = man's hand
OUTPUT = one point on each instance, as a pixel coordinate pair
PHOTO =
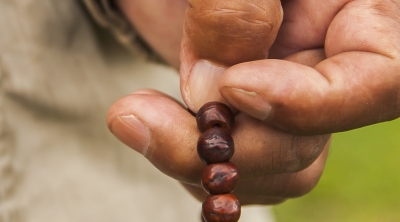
(273, 165)
(335, 67)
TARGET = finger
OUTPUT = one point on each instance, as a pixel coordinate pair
(261, 150)
(358, 85)
(155, 93)
(304, 26)
(165, 133)
(286, 185)
(159, 23)
(219, 34)
(159, 128)
(274, 188)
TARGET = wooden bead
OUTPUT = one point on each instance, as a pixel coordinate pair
(214, 114)
(220, 178)
(221, 208)
(215, 145)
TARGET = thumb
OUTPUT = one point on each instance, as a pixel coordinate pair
(219, 34)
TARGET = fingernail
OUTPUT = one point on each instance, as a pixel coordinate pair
(202, 85)
(250, 103)
(131, 131)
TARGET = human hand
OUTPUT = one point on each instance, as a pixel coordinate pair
(333, 67)
(273, 165)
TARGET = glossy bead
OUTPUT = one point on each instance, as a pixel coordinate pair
(220, 178)
(221, 208)
(214, 114)
(215, 145)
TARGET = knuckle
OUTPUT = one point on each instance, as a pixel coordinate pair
(302, 185)
(300, 154)
(246, 28)
(303, 182)
(387, 8)
(309, 148)
(244, 18)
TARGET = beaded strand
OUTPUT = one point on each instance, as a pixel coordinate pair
(215, 147)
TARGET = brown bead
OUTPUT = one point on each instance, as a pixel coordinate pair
(221, 208)
(220, 178)
(214, 114)
(215, 145)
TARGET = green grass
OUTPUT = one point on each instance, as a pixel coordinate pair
(361, 181)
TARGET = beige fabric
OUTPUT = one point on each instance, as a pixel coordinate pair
(104, 12)
(108, 17)
(58, 162)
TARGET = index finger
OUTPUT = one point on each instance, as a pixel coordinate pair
(219, 34)
(357, 85)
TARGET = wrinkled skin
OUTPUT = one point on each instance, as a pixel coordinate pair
(333, 66)
(237, 31)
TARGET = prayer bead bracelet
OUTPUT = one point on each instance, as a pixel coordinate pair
(215, 147)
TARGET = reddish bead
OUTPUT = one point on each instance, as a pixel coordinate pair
(215, 145)
(220, 178)
(214, 114)
(221, 208)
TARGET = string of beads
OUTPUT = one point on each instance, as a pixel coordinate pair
(215, 147)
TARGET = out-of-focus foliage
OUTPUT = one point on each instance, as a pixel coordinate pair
(361, 181)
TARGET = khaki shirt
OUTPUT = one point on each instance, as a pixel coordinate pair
(59, 74)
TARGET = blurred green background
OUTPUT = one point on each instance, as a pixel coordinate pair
(361, 181)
